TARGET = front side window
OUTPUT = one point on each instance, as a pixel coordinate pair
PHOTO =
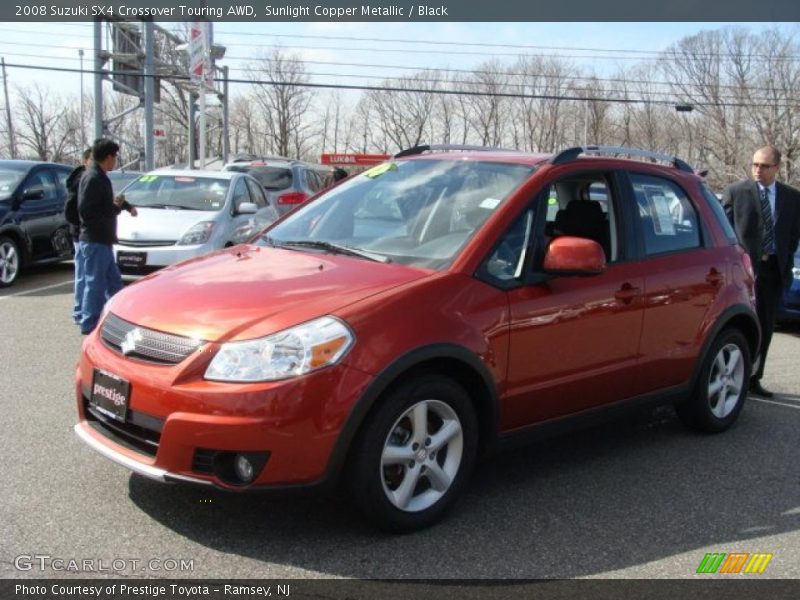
(42, 180)
(416, 212)
(581, 206)
(256, 194)
(240, 194)
(667, 219)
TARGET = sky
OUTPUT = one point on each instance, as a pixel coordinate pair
(459, 46)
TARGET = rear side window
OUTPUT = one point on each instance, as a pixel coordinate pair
(719, 214)
(667, 218)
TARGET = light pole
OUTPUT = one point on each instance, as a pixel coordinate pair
(83, 128)
(685, 108)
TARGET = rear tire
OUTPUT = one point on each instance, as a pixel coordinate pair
(721, 389)
(414, 454)
(10, 261)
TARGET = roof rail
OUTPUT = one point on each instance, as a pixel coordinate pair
(445, 147)
(573, 153)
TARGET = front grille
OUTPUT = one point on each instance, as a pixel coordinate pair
(144, 270)
(146, 344)
(146, 243)
(139, 432)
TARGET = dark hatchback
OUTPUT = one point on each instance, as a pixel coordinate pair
(32, 225)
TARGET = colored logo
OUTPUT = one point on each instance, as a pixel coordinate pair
(734, 563)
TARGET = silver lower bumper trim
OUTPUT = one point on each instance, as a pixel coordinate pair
(148, 471)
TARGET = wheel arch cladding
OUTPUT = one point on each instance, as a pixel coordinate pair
(449, 360)
(740, 317)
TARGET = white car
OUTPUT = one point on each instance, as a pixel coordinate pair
(184, 214)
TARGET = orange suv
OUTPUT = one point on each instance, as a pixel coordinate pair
(429, 310)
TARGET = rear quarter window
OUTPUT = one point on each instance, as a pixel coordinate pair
(719, 214)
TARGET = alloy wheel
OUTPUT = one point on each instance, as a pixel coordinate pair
(421, 455)
(725, 381)
(9, 262)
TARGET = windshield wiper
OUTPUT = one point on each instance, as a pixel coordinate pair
(330, 247)
(172, 206)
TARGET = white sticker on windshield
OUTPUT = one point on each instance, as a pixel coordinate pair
(490, 203)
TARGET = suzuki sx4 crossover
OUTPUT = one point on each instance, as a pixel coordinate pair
(386, 334)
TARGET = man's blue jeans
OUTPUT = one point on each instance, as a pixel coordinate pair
(79, 284)
(101, 281)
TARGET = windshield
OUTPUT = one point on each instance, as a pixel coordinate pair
(178, 192)
(9, 180)
(271, 178)
(120, 179)
(418, 212)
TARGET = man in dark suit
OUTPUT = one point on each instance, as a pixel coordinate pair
(766, 217)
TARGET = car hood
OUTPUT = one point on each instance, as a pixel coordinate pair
(247, 292)
(159, 224)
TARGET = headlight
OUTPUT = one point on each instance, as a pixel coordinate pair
(199, 233)
(296, 351)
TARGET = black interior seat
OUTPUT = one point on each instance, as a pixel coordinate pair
(586, 219)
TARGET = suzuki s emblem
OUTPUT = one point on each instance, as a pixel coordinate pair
(128, 345)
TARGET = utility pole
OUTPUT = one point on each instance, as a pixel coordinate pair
(149, 91)
(83, 125)
(99, 126)
(11, 146)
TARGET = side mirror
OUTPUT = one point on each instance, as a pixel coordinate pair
(35, 193)
(569, 255)
(247, 208)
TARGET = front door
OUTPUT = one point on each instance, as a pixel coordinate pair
(574, 341)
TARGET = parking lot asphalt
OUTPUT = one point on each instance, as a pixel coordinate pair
(638, 498)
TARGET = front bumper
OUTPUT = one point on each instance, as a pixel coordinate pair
(96, 443)
(177, 422)
(158, 257)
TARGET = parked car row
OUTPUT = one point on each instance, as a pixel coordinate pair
(439, 306)
(195, 211)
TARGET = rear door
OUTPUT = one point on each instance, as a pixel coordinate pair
(684, 274)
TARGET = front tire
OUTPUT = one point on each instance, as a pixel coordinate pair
(9, 261)
(414, 454)
(721, 389)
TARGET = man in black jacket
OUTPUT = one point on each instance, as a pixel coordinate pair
(766, 216)
(73, 218)
(98, 211)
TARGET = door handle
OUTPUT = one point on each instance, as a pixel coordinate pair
(715, 278)
(626, 293)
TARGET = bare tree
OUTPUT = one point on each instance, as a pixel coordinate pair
(403, 113)
(283, 100)
(45, 127)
